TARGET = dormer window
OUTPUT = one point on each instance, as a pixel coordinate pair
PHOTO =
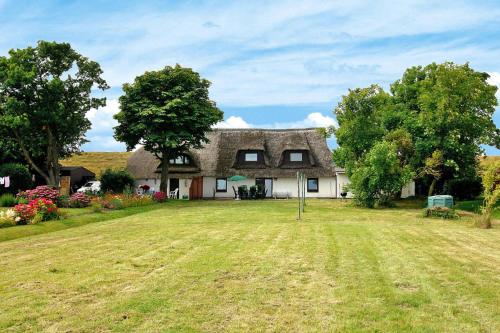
(295, 159)
(180, 160)
(250, 159)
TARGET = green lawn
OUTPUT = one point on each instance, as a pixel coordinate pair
(212, 266)
(73, 217)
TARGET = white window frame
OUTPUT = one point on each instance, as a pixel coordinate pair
(217, 189)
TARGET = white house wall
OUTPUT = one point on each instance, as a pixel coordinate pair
(329, 187)
(154, 184)
(326, 187)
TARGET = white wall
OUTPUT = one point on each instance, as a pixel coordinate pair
(154, 184)
(326, 187)
(342, 180)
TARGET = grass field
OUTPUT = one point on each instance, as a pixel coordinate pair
(212, 266)
(98, 162)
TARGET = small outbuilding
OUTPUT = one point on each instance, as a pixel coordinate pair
(77, 175)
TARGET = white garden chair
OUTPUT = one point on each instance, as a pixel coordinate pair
(173, 194)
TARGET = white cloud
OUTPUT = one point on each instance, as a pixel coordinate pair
(315, 119)
(494, 79)
(233, 122)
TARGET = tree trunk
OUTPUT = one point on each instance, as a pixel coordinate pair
(164, 171)
(431, 188)
(29, 159)
(52, 160)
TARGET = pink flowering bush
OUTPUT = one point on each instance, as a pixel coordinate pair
(160, 196)
(39, 192)
(79, 200)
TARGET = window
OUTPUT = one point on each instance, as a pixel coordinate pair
(221, 185)
(295, 157)
(312, 185)
(180, 160)
(250, 157)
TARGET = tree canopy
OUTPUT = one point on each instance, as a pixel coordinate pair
(166, 111)
(45, 93)
(436, 117)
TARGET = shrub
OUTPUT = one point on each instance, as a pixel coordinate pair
(491, 181)
(442, 212)
(41, 192)
(79, 200)
(116, 181)
(46, 208)
(8, 217)
(160, 196)
(7, 200)
(379, 177)
(118, 201)
(20, 178)
(63, 201)
(36, 211)
(96, 207)
(24, 213)
(137, 200)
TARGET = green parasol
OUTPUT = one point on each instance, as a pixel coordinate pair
(237, 178)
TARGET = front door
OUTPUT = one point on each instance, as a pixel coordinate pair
(196, 189)
(174, 184)
(268, 185)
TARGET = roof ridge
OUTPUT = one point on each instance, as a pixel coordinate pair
(266, 129)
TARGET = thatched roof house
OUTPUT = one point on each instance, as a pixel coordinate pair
(221, 157)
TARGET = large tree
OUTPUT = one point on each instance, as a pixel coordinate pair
(436, 118)
(45, 92)
(167, 111)
(448, 110)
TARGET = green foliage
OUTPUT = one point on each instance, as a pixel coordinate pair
(20, 178)
(167, 111)
(360, 124)
(379, 177)
(45, 93)
(441, 212)
(116, 181)
(7, 200)
(436, 117)
(491, 194)
(448, 111)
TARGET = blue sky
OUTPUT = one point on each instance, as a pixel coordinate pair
(275, 64)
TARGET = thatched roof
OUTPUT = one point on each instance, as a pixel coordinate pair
(217, 158)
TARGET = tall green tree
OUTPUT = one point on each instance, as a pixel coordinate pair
(167, 111)
(45, 92)
(448, 110)
(379, 176)
(359, 115)
(436, 117)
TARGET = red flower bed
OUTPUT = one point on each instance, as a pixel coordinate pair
(44, 208)
(160, 196)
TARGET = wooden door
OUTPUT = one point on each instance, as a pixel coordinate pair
(196, 189)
